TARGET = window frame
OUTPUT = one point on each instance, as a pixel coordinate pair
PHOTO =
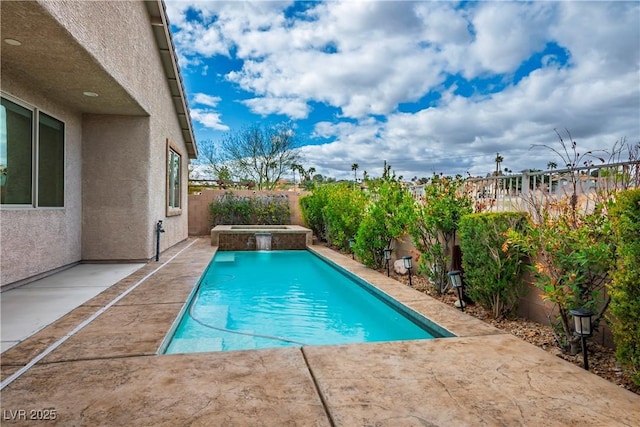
(35, 153)
(173, 210)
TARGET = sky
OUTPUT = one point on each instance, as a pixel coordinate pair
(430, 87)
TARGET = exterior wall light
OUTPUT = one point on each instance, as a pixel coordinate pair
(408, 263)
(387, 258)
(456, 282)
(583, 329)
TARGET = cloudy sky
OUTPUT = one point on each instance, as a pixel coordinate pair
(428, 86)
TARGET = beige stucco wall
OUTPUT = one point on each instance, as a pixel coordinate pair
(115, 196)
(116, 164)
(135, 148)
(33, 241)
(118, 36)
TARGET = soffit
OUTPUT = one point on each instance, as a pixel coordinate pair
(53, 62)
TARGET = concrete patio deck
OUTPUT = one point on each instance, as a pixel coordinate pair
(52, 297)
(108, 372)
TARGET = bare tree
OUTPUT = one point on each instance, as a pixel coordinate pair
(262, 154)
(573, 159)
(211, 157)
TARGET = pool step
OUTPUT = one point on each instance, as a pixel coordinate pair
(194, 345)
(214, 315)
(224, 257)
(239, 341)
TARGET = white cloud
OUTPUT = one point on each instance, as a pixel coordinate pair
(508, 33)
(204, 99)
(379, 61)
(294, 108)
(209, 119)
(442, 24)
(368, 58)
(453, 137)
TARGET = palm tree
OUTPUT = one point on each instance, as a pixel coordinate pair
(499, 159)
(309, 173)
(552, 165)
(295, 168)
(354, 168)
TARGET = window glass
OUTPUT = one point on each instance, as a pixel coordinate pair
(50, 162)
(174, 179)
(16, 154)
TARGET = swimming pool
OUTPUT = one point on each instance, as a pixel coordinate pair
(263, 299)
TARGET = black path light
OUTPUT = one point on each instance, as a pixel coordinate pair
(408, 263)
(582, 324)
(387, 258)
(456, 281)
(352, 242)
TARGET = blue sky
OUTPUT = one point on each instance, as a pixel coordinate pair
(427, 86)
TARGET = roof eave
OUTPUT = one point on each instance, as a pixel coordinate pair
(164, 40)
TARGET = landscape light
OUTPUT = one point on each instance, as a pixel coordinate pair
(387, 258)
(456, 281)
(582, 328)
(407, 260)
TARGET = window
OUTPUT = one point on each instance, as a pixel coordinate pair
(174, 181)
(31, 157)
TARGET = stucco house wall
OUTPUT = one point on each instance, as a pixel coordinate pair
(116, 159)
(115, 143)
(37, 240)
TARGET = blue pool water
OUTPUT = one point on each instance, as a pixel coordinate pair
(249, 300)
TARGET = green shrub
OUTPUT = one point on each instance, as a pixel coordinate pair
(343, 212)
(624, 289)
(311, 209)
(571, 254)
(260, 210)
(390, 211)
(229, 209)
(334, 212)
(434, 226)
(492, 269)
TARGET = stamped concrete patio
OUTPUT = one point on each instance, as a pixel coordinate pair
(109, 372)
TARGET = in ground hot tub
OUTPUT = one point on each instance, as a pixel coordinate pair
(260, 237)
